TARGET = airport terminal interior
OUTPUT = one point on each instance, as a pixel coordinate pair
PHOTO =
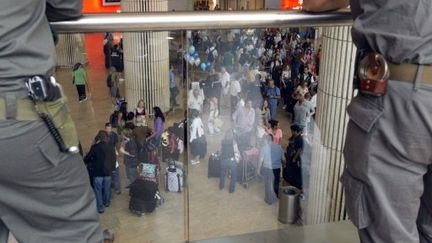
(246, 65)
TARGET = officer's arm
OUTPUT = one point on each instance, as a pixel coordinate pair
(58, 10)
(324, 5)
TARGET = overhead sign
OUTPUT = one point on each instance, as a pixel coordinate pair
(291, 4)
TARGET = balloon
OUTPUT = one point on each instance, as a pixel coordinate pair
(196, 55)
(191, 50)
(203, 66)
(191, 61)
(197, 61)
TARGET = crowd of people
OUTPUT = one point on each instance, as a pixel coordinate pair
(248, 77)
(134, 141)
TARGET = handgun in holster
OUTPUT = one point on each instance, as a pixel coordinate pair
(51, 106)
(372, 73)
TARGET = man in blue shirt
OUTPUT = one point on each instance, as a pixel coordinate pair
(173, 88)
(273, 95)
(271, 156)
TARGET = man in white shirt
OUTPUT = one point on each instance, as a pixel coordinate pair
(196, 100)
(234, 90)
(225, 81)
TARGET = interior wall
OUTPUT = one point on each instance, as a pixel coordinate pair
(180, 5)
(272, 4)
(246, 4)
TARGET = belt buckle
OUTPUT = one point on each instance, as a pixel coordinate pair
(373, 72)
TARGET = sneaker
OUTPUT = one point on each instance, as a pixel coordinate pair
(101, 212)
(284, 107)
(107, 205)
(85, 99)
(118, 192)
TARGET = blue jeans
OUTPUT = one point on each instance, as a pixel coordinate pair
(116, 180)
(273, 109)
(102, 189)
(131, 174)
(232, 166)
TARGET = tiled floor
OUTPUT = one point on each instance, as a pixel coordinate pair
(212, 213)
(200, 212)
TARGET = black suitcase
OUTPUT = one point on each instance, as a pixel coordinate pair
(143, 196)
(214, 165)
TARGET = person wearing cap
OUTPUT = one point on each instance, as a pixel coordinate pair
(388, 176)
(46, 194)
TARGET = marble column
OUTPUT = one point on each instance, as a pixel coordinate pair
(70, 49)
(146, 60)
(326, 199)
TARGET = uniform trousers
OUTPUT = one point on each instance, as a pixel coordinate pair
(45, 194)
(388, 153)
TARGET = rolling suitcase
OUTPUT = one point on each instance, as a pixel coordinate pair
(143, 196)
(214, 165)
(173, 178)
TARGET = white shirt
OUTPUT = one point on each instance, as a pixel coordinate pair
(235, 88)
(214, 112)
(261, 51)
(286, 74)
(195, 102)
(225, 80)
(196, 129)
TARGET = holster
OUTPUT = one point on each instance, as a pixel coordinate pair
(59, 112)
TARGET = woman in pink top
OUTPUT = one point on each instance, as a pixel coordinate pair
(275, 131)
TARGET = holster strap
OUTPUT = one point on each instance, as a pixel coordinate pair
(17, 109)
(407, 72)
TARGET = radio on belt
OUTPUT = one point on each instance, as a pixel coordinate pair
(373, 73)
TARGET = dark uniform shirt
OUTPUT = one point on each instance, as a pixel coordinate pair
(26, 43)
(27, 47)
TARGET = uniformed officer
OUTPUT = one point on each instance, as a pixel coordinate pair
(44, 186)
(388, 178)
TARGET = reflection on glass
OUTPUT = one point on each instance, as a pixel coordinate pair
(206, 137)
(251, 103)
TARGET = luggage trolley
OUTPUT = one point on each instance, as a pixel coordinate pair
(248, 163)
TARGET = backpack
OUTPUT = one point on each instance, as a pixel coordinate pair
(109, 81)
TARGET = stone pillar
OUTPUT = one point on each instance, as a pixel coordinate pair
(146, 60)
(70, 49)
(326, 199)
